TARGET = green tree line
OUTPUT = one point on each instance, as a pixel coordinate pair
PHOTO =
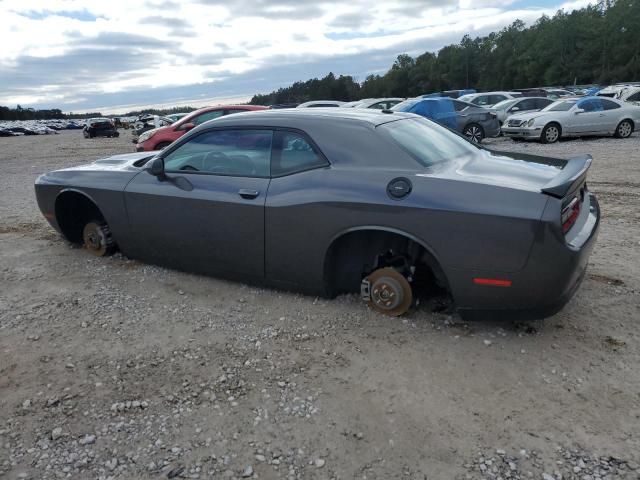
(20, 113)
(597, 44)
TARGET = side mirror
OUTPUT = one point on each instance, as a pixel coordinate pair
(578, 110)
(186, 126)
(157, 168)
(515, 109)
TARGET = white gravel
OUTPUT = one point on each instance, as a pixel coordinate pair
(111, 369)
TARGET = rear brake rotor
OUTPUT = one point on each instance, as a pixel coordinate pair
(390, 292)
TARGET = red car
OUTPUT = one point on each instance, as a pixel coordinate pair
(158, 138)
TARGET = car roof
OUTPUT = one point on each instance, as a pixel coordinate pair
(293, 116)
(316, 102)
(190, 115)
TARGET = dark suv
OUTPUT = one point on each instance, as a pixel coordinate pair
(99, 127)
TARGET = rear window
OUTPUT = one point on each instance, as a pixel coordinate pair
(427, 142)
(406, 106)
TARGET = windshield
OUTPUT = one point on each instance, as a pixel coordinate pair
(406, 105)
(504, 104)
(427, 142)
(560, 106)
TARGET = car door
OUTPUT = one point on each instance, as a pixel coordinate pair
(207, 213)
(587, 117)
(298, 184)
(611, 111)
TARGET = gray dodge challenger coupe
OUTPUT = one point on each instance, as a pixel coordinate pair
(327, 201)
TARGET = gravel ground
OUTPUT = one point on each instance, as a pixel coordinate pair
(114, 369)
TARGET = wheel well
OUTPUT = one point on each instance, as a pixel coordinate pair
(352, 256)
(73, 211)
(473, 124)
(630, 120)
(556, 124)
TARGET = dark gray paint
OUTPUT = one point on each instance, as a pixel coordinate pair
(479, 216)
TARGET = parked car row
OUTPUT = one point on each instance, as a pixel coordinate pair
(36, 127)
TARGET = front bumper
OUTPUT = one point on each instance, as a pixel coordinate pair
(553, 274)
(522, 132)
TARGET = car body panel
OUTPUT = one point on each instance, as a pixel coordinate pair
(478, 214)
(587, 116)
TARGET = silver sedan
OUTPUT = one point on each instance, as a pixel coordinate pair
(573, 118)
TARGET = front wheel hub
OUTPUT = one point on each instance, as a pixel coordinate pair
(387, 291)
(97, 239)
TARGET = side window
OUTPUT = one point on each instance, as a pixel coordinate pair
(232, 111)
(493, 99)
(543, 102)
(293, 153)
(481, 100)
(459, 106)
(634, 98)
(238, 153)
(379, 105)
(207, 116)
(587, 105)
(528, 104)
(608, 104)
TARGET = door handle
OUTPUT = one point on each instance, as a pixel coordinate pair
(601, 115)
(248, 194)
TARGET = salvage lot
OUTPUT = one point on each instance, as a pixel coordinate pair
(109, 367)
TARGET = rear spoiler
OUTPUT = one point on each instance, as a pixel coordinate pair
(571, 176)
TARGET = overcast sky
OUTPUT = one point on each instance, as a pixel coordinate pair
(113, 55)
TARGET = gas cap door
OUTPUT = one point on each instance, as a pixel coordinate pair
(398, 188)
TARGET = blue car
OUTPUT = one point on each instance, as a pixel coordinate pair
(475, 123)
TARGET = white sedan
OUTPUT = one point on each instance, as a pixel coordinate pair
(573, 118)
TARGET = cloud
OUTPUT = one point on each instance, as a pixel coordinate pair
(82, 54)
(271, 9)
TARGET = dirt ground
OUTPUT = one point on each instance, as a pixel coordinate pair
(110, 368)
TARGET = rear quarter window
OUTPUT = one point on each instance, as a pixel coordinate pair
(427, 143)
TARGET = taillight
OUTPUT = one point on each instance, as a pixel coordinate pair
(570, 214)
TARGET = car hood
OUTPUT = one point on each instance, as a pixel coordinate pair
(509, 170)
(526, 116)
(124, 161)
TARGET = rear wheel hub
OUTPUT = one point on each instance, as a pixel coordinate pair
(389, 292)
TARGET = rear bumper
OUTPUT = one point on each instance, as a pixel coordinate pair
(552, 276)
